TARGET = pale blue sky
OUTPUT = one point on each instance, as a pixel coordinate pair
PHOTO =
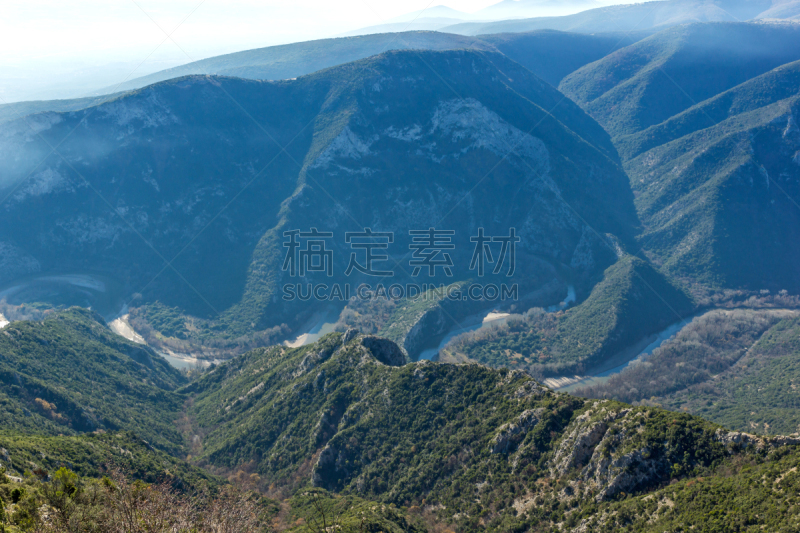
(48, 44)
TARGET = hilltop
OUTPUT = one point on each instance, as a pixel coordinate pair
(633, 300)
(485, 448)
(188, 148)
(654, 15)
(432, 444)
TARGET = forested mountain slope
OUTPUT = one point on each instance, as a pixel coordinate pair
(437, 444)
(717, 186)
(69, 374)
(487, 448)
(632, 301)
(93, 455)
(552, 55)
(155, 171)
(738, 367)
(650, 81)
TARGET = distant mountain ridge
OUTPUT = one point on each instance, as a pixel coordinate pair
(298, 59)
(704, 117)
(650, 81)
(438, 17)
(509, 9)
(658, 14)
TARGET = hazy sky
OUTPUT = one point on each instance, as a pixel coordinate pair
(69, 46)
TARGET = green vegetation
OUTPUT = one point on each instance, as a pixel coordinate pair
(658, 77)
(65, 502)
(355, 137)
(702, 116)
(753, 494)
(318, 510)
(70, 374)
(463, 441)
(337, 429)
(91, 455)
(342, 433)
(739, 368)
(756, 93)
(168, 321)
(632, 301)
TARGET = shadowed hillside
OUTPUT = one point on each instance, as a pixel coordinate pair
(154, 171)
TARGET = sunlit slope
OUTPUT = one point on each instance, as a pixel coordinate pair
(69, 374)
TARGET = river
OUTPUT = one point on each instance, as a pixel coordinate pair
(619, 362)
(489, 320)
(316, 327)
(485, 321)
(323, 322)
(633, 355)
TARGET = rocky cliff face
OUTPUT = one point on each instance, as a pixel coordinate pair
(184, 189)
(459, 436)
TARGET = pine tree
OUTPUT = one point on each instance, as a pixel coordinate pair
(2, 516)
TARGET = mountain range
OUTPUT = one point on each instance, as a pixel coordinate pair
(134, 209)
(709, 145)
(438, 17)
(461, 446)
(534, 51)
(656, 15)
(643, 377)
(650, 81)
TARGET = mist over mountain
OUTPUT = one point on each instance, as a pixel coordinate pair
(298, 59)
(224, 216)
(658, 77)
(438, 17)
(514, 9)
(506, 148)
(659, 14)
(552, 55)
(711, 161)
(430, 19)
(542, 52)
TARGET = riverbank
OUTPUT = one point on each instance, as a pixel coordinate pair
(123, 328)
(633, 355)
